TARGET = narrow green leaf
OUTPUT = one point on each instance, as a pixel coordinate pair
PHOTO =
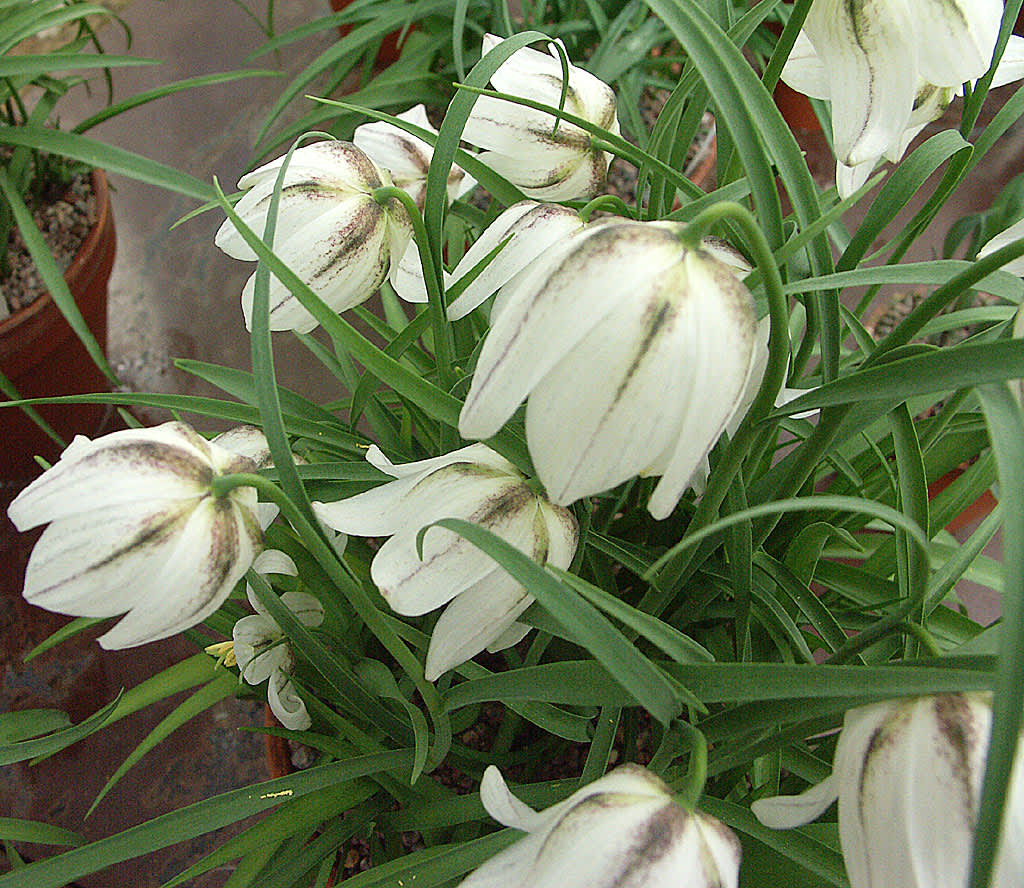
(24, 724)
(12, 830)
(941, 370)
(223, 686)
(1006, 428)
(29, 749)
(107, 157)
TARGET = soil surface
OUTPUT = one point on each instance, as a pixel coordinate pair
(65, 225)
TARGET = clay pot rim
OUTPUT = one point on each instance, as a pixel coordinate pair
(82, 260)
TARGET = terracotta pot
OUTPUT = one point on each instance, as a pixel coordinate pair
(279, 760)
(41, 356)
(794, 106)
(977, 510)
(796, 110)
(389, 50)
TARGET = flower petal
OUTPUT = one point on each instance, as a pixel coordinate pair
(957, 38)
(872, 70)
(212, 553)
(340, 254)
(1003, 239)
(405, 156)
(509, 638)
(804, 71)
(286, 703)
(530, 228)
(307, 608)
(785, 812)
(1011, 65)
(474, 619)
(136, 471)
(450, 564)
(583, 444)
(503, 806)
(720, 326)
(384, 509)
(256, 653)
(555, 304)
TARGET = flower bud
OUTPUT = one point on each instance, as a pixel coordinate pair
(908, 774)
(524, 146)
(622, 829)
(634, 349)
(474, 484)
(135, 526)
(330, 230)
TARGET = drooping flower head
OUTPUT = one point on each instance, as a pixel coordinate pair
(135, 528)
(406, 157)
(522, 144)
(891, 67)
(330, 230)
(634, 350)
(907, 775)
(475, 484)
(622, 829)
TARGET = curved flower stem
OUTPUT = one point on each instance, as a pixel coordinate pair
(356, 596)
(432, 279)
(613, 201)
(691, 787)
(674, 572)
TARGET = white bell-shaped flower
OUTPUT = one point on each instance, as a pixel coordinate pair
(890, 68)
(622, 829)
(907, 775)
(407, 159)
(330, 230)
(522, 144)
(135, 529)
(474, 484)
(529, 229)
(262, 650)
(634, 349)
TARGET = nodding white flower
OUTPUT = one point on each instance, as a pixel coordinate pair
(666, 329)
(135, 529)
(262, 651)
(889, 68)
(408, 158)
(474, 484)
(521, 143)
(622, 829)
(330, 230)
(907, 774)
(529, 228)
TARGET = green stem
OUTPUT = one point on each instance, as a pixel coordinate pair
(433, 281)
(613, 201)
(692, 785)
